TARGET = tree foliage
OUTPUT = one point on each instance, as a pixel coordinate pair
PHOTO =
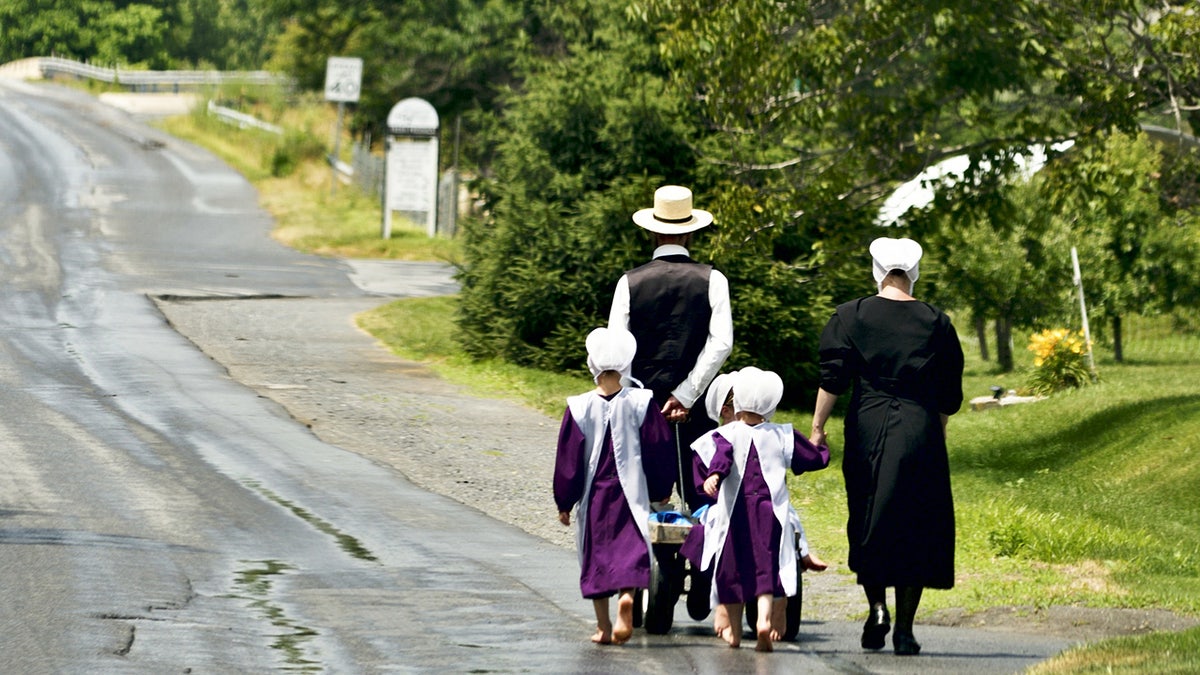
(155, 34)
(583, 144)
(791, 121)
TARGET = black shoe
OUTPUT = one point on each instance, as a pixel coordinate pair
(904, 644)
(879, 622)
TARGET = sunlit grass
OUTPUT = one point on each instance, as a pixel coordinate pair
(295, 184)
(422, 329)
(1153, 654)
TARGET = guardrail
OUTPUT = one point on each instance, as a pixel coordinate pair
(144, 80)
(241, 119)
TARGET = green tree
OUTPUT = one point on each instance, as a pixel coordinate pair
(156, 34)
(1137, 254)
(822, 108)
(458, 55)
(583, 144)
(133, 35)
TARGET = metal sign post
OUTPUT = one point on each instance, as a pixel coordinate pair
(343, 82)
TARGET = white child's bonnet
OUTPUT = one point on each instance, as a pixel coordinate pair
(611, 349)
(717, 394)
(757, 391)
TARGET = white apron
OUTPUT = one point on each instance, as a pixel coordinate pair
(624, 414)
(775, 444)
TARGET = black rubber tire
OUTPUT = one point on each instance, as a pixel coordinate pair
(751, 609)
(639, 606)
(662, 595)
(698, 594)
(795, 605)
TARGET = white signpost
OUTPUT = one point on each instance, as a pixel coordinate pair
(343, 82)
(411, 180)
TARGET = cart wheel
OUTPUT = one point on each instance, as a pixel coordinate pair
(793, 612)
(698, 594)
(661, 596)
(751, 610)
(639, 606)
(794, 605)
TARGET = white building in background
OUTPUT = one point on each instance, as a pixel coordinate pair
(919, 192)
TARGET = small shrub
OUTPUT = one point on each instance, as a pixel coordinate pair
(1059, 361)
(292, 150)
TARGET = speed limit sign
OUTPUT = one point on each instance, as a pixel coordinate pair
(343, 79)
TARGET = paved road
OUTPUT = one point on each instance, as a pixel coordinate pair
(163, 510)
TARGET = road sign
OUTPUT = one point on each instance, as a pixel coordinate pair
(411, 180)
(343, 79)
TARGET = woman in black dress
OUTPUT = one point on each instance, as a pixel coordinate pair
(903, 359)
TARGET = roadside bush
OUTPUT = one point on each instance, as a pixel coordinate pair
(293, 150)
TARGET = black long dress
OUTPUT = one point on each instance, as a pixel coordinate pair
(905, 363)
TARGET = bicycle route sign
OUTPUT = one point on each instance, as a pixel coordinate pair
(343, 79)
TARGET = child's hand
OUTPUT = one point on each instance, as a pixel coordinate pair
(564, 517)
(711, 484)
(812, 562)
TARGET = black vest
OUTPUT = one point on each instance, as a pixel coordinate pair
(669, 314)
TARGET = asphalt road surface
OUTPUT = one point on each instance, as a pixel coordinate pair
(159, 516)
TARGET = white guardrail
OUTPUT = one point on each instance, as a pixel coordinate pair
(49, 66)
(241, 119)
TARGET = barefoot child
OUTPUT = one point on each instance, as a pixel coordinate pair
(749, 533)
(615, 455)
(719, 406)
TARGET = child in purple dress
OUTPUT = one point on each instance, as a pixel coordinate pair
(615, 455)
(719, 406)
(749, 532)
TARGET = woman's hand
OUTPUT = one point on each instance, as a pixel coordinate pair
(818, 437)
(564, 517)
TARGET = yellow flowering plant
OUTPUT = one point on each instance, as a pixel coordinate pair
(1059, 361)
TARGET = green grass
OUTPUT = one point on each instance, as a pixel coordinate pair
(295, 185)
(1085, 498)
(422, 329)
(1154, 654)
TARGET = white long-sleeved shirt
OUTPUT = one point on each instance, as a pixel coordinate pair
(717, 345)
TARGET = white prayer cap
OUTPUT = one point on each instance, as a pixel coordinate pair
(611, 349)
(895, 254)
(718, 391)
(757, 391)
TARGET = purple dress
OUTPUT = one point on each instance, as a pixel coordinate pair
(613, 552)
(749, 562)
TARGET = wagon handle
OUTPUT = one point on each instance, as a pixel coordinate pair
(683, 505)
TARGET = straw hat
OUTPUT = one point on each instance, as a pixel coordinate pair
(672, 212)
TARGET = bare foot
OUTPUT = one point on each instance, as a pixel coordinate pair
(623, 629)
(602, 637)
(765, 643)
(812, 562)
(763, 630)
(731, 636)
(720, 620)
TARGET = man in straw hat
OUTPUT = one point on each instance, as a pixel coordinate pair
(678, 309)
